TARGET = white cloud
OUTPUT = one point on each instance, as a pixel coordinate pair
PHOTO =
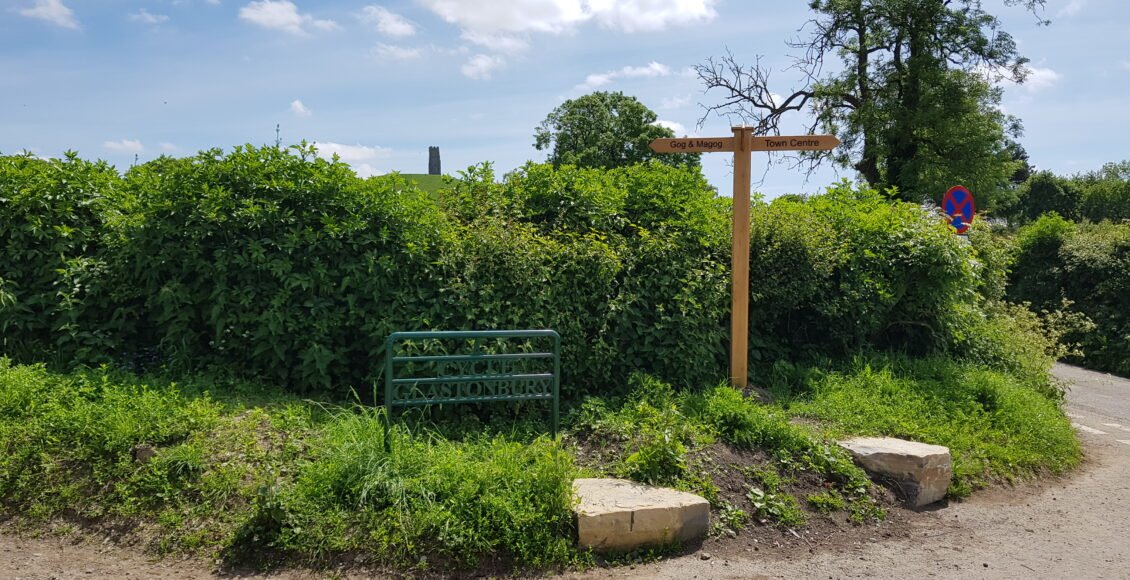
(1073, 7)
(386, 22)
(393, 52)
(366, 170)
(650, 15)
(351, 154)
(146, 17)
(553, 16)
(677, 128)
(1040, 79)
(282, 15)
(558, 16)
(674, 102)
(299, 109)
(53, 11)
(653, 69)
(480, 66)
(1125, 64)
(124, 146)
(505, 43)
(168, 147)
(504, 27)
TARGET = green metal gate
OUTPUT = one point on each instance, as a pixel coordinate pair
(533, 374)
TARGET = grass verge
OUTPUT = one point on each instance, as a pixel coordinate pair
(998, 428)
(746, 458)
(284, 481)
(251, 476)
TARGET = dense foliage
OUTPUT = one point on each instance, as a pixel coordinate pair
(1088, 266)
(52, 215)
(1092, 196)
(272, 263)
(269, 261)
(264, 270)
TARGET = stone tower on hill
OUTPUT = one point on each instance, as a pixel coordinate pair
(433, 161)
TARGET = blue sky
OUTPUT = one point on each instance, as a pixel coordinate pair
(378, 82)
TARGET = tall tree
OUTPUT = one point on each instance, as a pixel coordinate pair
(1024, 169)
(1045, 192)
(604, 130)
(912, 100)
(1105, 194)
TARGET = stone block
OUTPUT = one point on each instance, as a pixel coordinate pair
(616, 515)
(923, 472)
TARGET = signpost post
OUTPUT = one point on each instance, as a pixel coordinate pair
(742, 144)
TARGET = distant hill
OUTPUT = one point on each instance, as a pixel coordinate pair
(426, 182)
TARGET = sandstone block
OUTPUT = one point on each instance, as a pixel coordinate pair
(923, 472)
(616, 515)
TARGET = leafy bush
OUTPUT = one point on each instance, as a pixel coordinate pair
(1107, 199)
(1105, 193)
(630, 265)
(1037, 276)
(1086, 267)
(1012, 339)
(649, 429)
(848, 269)
(52, 214)
(275, 264)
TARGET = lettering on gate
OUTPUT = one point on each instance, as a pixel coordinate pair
(500, 375)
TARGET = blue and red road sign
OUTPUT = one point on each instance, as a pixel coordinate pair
(958, 205)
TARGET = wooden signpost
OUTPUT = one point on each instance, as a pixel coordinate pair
(742, 144)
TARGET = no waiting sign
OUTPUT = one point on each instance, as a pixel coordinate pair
(958, 205)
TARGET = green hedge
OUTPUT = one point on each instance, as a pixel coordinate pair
(272, 263)
(52, 215)
(1087, 265)
(849, 270)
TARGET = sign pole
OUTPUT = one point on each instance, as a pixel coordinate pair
(739, 294)
(742, 144)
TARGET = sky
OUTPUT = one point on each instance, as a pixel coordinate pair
(379, 82)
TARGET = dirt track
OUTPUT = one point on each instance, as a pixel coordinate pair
(1074, 528)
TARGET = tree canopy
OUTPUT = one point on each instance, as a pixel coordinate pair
(912, 100)
(1092, 196)
(604, 130)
